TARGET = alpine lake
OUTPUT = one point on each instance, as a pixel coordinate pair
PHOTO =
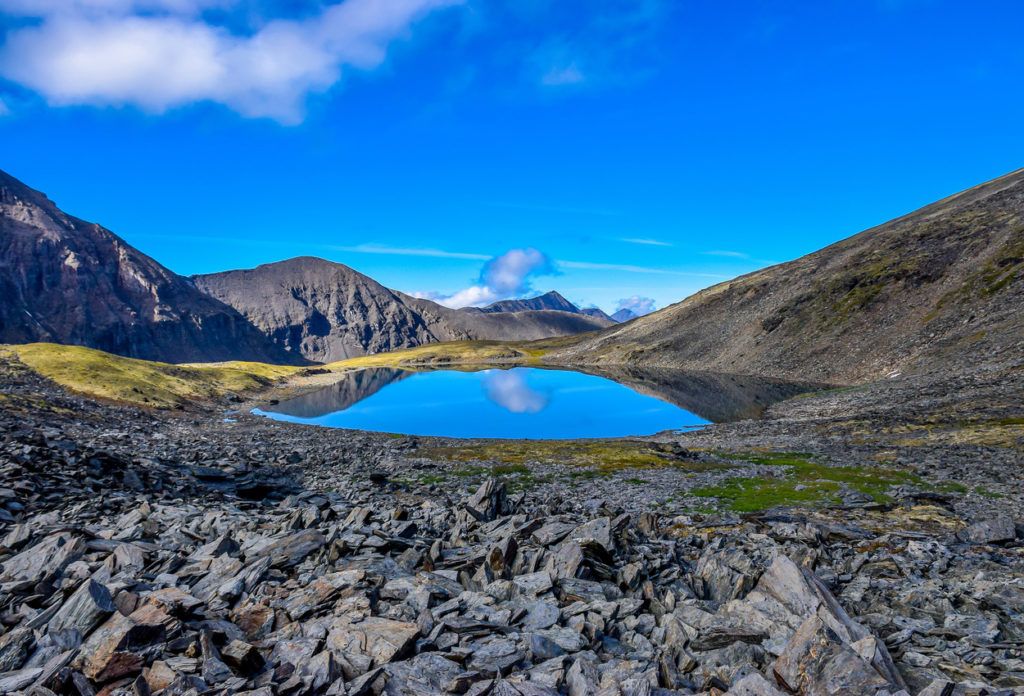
(531, 402)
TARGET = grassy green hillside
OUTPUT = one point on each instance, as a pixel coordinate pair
(98, 374)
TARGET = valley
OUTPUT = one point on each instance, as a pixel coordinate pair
(853, 491)
(504, 348)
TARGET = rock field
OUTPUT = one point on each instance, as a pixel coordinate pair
(185, 553)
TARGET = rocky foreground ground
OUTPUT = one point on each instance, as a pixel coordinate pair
(188, 553)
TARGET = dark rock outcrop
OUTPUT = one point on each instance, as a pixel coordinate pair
(64, 280)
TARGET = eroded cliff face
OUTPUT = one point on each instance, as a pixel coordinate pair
(326, 311)
(65, 280)
(940, 289)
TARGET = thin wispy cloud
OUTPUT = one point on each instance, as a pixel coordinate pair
(609, 44)
(358, 249)
(730, 254)
(587, 265)
(649, 242)
(162, 54)
(410, 251)
(737, 255)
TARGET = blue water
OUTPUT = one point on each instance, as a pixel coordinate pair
(514, 403)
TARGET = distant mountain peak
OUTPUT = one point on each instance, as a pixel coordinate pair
(624, 315)
(549, 300)
(596, 312)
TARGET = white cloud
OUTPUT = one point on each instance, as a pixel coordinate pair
(636, 304)
(111, 52)
(503, 276)
(474, 296)
(510, 391)
(508, 274)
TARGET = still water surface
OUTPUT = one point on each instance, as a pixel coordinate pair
(517, 403)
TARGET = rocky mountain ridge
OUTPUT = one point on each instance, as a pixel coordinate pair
(65, 280)
(68, 281)
(939, 290)
(326, 311)
(549, 300)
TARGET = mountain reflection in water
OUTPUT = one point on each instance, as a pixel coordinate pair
(522, 402)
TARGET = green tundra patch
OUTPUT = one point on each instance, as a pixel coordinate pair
(800, 479)
(144, 382)
(603, 455)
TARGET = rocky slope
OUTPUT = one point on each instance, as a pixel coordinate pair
(938, 289)
(64, 280)
(326, 311)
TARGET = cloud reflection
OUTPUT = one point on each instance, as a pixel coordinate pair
(510, 391)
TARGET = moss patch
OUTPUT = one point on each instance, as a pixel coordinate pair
(605, 455)
(800, 480)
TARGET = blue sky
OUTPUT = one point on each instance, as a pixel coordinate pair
(629, 149)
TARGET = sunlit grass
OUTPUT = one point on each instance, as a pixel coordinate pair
(127, 380)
